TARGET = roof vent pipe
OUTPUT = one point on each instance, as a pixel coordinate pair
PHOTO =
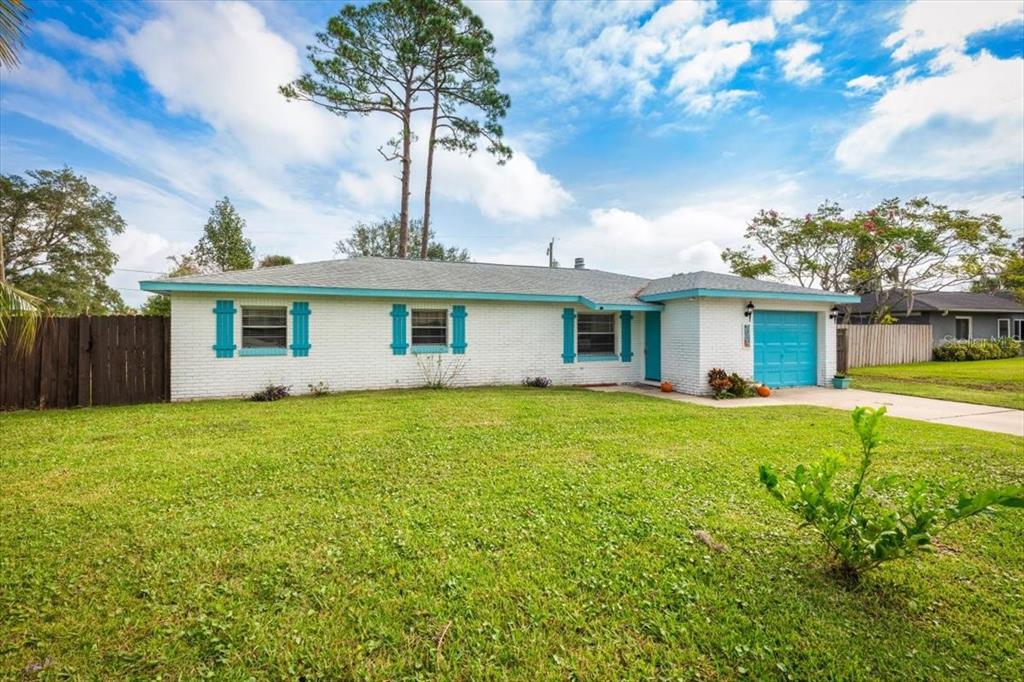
(579, 264)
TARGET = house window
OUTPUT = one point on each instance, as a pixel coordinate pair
(1018, 329)
(963, 328)
(1003, 327)
(595, 334)
(264, 326)
(429, 327)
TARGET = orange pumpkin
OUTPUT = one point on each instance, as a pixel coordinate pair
(666, 387)
(764, 391)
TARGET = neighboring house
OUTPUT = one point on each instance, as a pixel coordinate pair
(366, 322)
(953, 314)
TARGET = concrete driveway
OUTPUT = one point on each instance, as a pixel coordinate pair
(983, 417)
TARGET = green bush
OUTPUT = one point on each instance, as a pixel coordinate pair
(863, 532)
(979, 349)
(725, 385)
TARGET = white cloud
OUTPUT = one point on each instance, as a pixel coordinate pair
(611, 51)
(517, 190)
(865, 83)
(966, 120)
(927, 25)
(798, 64)
(686, 238)
(108, 52)
(222, 63)
(785, 11)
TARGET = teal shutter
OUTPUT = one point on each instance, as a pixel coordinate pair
(225, 312)
(568, 335)
(398, 342)
(627, 335)
(300, 329)
(458, 329)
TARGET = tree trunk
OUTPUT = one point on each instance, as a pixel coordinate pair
(403, 232)
(425, 238)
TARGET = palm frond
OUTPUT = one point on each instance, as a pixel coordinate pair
(13, 19)
(21, 313)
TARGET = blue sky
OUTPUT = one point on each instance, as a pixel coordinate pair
(646, 134)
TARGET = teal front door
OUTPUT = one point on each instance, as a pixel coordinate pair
(785, 348)
(652, 345)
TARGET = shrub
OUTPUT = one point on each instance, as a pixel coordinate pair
(537, 382)
(979, 349)
(271, 393)
(741, 388)
(718, 380)
(863, 532)
(437, 373)
(725, 385)
(319, 389)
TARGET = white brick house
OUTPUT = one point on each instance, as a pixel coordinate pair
(372, 322)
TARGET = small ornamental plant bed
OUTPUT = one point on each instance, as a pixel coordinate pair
(486, 533)
(724, 385)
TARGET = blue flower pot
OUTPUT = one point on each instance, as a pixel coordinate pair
(841, 382)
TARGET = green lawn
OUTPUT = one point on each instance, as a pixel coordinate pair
(476, 534)
(984, 382)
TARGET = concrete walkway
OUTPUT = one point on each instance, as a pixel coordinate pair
(983, 417)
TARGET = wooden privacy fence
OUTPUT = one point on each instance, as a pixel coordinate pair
(81, 361)
(863, 345)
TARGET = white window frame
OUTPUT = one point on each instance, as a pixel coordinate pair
(999, 327)
(284, 344)
(412, 326)
(1018, 328)
(970, 327)
(615, 335)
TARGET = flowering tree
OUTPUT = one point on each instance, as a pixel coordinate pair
(896, 250)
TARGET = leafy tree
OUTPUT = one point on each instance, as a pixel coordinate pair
(814, 251)
(463, 79)
(55, 229)
(223, 245)
(1009, 274)
(382, 239)
(13, 17)
(373, 59)
(271, 261)
(896, 249)
(914, 246)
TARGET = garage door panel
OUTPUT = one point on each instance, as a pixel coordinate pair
(785, 348)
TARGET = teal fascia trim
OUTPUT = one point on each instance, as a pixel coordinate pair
(225, 345)
(429, 350)
(730, 293)
(162, 287)
(300, 329)
(597, 358)
(458, 329)
(261, 352)
(568, 335)
(626, 347)
(398, 338)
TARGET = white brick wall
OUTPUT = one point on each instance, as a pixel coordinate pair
(350, 347)
(506, 342)
(718, 323)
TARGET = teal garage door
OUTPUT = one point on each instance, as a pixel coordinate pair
(785, 348)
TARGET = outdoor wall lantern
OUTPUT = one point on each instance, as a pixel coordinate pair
(749, 310)
(834, 313)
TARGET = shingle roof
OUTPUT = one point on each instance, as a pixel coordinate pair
(372, 273)
(687, 281)
(368, 272)
(961, 301)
